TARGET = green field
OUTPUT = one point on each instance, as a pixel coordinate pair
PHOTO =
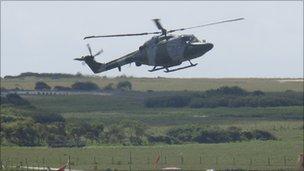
(170, 84)
(263, 155)
(286, 123)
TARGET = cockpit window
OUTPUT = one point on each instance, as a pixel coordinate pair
(190, 39)
(194, 40)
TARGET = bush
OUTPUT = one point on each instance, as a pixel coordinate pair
(109, 87)
(169, 101)
(14, 99)
(124, 85)
(40, 85)
(61, 88)
(46, 117)
(85, 86)
(200, 134)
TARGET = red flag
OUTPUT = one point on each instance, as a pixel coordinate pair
(62, 168)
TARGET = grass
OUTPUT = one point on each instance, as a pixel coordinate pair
(111, 109)
(167, 84)
(284, 122)
(251, 154)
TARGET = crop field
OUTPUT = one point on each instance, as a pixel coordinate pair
(168, 84)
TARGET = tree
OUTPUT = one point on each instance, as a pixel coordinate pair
(40, 85)
(115, 134)
(124, 85)
(85, 86)
(95, 132)
(22, 133)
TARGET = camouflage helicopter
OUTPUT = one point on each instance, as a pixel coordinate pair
(161, 52)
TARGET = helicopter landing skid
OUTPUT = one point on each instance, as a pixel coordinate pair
(172, 70)
(156, 69)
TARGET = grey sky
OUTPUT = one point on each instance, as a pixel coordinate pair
(46, 36)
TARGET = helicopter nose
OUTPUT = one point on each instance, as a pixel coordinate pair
(208, 46)
(197, 50)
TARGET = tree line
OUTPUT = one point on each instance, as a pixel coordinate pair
(208, 134)
(84, 86)
(45, 75)
(226, 97)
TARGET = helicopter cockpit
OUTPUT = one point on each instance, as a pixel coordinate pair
(190, 39)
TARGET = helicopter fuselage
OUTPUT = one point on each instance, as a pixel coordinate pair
(170, 50)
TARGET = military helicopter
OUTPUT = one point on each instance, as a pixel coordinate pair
(162, 51)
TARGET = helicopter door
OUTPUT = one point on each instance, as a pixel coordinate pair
(176, 49)
(151, 51)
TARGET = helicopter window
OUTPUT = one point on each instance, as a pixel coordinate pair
(194, 40)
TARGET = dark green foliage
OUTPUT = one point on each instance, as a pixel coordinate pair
(163, 139)
(40, 85)
(14, 99)
(167, 101)
(200, 134)
(46, 117)
(236, 91)
(44, 75)
(263, 135)
(22, 133)
(124, 85)
(85, 86)
(227, 97)
(61, 88)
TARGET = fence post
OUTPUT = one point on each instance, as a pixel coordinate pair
(165, 160)
(250, 162)
(26, 164)
(95, 163)
(130, 158)
(233, 161)
(182, 160)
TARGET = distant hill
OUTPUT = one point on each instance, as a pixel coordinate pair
(27, 81)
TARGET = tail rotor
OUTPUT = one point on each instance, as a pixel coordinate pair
(87, 57)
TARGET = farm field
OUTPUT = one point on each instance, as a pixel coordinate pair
(263, 155)
(168, 84)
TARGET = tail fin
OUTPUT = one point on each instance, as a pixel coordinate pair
(95, 66)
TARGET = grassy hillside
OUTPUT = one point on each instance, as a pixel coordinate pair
(163, 84)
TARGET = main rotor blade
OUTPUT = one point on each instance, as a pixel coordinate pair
(98, 53)
(158, 24)
(90, 50)
(122, 35)
(204, 25)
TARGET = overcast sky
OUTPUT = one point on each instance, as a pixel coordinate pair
(46, 36)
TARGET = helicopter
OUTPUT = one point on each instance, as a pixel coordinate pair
(162, 52)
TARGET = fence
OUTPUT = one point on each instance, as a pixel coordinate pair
(131, 162)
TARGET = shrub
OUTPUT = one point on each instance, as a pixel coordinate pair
(14, 99)
(124, 85)
(40, 85)
(85, 86)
